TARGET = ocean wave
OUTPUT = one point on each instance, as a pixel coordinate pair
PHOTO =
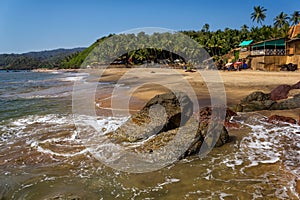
(53, 92)
(72, 77)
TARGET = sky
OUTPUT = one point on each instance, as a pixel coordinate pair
(35, 25)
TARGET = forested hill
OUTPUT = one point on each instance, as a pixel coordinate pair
(217, 43)
(33, 60)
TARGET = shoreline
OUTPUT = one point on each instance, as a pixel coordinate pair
(237, 85)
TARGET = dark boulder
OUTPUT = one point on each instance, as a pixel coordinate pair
(257, 105)
(280, 92)
(256, 96)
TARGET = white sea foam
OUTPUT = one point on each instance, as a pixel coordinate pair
(72, 77)
(267, 144)
(36, 131)
(168, 181)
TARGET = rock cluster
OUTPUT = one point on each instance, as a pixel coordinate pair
(163, 117)
(277, 99)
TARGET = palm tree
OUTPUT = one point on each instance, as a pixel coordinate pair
(205, 27)
(295, 18)
(280, 20)
(259, 14)
(244, 28)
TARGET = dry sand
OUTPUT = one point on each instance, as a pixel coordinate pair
(149, 82)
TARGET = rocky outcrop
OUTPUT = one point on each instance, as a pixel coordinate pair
(277, 118)
(165, 116)
(256, 96)
(276, 100)
(255, 101)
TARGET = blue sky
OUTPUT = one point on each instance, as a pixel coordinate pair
(33, 25)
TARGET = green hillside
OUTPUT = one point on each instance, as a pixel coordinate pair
(33, 60)
(74, 61)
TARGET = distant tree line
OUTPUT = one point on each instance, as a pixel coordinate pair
(33, 60)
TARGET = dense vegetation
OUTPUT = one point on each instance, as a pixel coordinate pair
(75, 60)
(33, 60)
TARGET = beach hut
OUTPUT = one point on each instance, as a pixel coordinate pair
(274, 47)
(268, 55)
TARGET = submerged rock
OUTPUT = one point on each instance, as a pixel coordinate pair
(278, 118)
(163, 118)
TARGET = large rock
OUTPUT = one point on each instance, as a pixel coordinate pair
(280, 92)
(165, 116)
(254, 101)
(256, 106)
(256, 96)
(163, 112)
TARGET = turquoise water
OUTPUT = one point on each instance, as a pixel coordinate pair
(42, 157)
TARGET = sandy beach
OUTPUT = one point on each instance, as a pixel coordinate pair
(237, 85)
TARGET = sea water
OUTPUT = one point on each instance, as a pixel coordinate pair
(42, 156)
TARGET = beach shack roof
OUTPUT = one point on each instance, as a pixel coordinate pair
(275, 43)
(245, 43)
(293, 40)
(294, 31)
